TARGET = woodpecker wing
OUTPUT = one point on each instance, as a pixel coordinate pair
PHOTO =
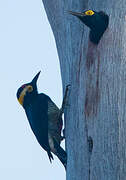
(55, 121)
(37, 114)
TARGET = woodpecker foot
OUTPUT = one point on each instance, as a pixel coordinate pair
(63, 137)
(64, 133)
(64, 105)
(65, 99)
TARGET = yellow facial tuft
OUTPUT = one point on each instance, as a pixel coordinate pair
(89, 13)
(29, 89)
(21, 97)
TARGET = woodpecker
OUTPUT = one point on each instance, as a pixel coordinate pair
(96, 21)
(44, 117)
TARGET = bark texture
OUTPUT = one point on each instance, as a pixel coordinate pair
(96, 118)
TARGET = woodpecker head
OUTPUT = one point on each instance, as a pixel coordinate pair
(27, 92)
(96, 21)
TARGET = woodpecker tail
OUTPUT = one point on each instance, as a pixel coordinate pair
(50, 156)
(61, 154)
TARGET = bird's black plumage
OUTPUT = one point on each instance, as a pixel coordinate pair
(44, 118)
(38, 119)
(96, 21)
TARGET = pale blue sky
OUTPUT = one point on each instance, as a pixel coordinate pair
(26, 46)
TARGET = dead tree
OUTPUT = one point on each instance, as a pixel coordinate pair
(96, 118)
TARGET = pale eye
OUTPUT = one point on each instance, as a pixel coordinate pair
(29, 88)
(89, 12)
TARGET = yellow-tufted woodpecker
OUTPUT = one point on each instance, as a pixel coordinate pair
(44, 117)
(96, 21)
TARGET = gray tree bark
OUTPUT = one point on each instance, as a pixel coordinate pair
(96, 118)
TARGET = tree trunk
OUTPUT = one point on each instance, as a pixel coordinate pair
(96, 118)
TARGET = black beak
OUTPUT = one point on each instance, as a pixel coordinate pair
(34, 81)
(78, 14)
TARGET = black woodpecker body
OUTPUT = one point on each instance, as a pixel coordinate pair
(96, 21)
(45, 119)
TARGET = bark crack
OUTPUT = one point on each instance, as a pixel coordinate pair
(92, 84)
(80, 57)
(90, 148)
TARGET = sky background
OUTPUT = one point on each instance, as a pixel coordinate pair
(26, 46)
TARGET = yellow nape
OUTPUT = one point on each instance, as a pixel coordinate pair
(89, 12)
(23, 93)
